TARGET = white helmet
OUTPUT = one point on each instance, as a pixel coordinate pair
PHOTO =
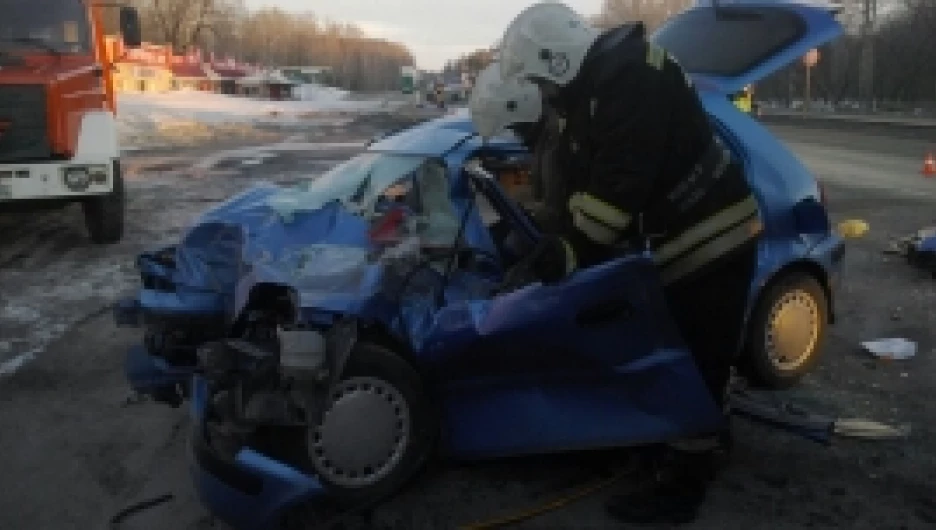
(496, 104)
(547, 40)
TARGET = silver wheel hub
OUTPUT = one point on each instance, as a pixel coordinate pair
(362, 434)
(792, 329)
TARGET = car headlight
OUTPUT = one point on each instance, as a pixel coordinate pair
(77, 178)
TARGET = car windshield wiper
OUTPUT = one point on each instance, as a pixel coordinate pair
(39, 43)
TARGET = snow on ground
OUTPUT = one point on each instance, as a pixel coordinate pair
(189, 117)
(314, 92)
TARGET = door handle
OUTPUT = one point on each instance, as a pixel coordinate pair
(604, 312)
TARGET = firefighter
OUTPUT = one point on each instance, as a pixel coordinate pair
(744, 100)
(641, 167)
(496, 105)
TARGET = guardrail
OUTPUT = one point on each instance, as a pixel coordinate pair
(863, 119)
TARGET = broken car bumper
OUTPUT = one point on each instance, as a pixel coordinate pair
(248, 491)
(154, 376)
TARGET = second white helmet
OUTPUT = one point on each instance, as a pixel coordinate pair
(548, 41)
(496, 104)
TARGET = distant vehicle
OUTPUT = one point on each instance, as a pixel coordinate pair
(58, 133)
(343, 331)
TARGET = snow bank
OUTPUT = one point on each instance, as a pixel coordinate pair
(188, 117)
(313, 92)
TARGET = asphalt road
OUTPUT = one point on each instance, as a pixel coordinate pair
(74, 451)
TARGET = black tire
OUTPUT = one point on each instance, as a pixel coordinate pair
(104, 214)
(368, 364)
(801, 293)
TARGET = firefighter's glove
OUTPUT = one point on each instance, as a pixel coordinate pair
(552, 259)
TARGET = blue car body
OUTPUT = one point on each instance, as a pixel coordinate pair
(541, 368)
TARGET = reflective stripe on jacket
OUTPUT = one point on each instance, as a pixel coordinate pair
(640, 159)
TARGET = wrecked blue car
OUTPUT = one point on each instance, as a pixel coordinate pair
(333, 335)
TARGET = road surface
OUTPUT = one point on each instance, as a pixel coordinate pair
(74, 451)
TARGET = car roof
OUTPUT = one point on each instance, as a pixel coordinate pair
(437, 137)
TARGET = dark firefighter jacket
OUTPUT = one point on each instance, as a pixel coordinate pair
(641, 162)
(550, 190)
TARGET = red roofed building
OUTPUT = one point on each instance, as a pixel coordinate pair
(223, 77)
(186, 76)
(143, 69)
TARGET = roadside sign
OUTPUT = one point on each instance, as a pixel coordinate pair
(811, 58)
(408, 79)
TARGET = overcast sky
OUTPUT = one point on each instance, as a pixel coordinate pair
(434, 30)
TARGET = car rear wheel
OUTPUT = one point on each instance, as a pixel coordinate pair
(104, 214)
(786, 332)
(376, 431)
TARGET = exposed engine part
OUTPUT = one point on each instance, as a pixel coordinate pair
(302, 353)
(258, 383)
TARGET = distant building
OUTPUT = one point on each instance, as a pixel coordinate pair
(304, 75)
(188, 72)
(190, 77)
(223, 77)
(154, 68)
(144, 69)
(267, 84)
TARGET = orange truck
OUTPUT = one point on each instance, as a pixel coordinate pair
(58, 130)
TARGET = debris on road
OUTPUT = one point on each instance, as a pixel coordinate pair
(853, 228)
(816, 427)
(870, 430)
(139, 507)
(918, 248)
(891, 349)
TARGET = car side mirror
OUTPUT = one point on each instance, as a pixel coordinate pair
(130, 27)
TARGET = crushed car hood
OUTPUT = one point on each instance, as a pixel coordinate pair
(322, 252)
(254, 238)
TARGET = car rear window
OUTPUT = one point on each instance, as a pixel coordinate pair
(731, 43)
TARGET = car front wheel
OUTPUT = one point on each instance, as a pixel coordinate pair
(376, 431)
(786, 332)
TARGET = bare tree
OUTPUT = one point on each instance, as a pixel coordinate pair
(651, 12)
(274, 37)
(182, 23)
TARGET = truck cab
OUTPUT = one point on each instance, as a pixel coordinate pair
(58, 132)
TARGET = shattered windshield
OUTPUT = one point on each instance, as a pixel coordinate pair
(55, 26)
(398, 195)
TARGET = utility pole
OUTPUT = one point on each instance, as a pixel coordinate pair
(866, 65)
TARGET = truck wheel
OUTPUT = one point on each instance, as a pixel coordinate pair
(104, 214)
(786, 332)
(377, 430)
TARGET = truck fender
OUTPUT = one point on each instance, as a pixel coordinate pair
(97, 138)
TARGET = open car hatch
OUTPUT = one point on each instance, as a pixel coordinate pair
(734, 43)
